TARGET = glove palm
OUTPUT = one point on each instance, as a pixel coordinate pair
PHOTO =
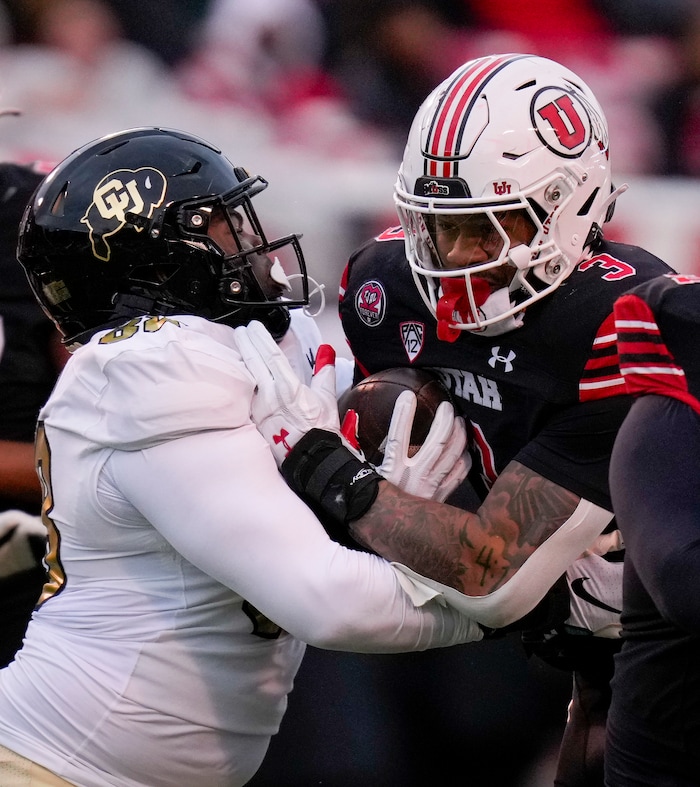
(439, 465)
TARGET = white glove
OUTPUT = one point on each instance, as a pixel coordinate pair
(16, 527)
(595, 589)
(283, 408)
(439, 465)
(606, 542)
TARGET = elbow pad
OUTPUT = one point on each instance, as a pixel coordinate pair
(337, 485)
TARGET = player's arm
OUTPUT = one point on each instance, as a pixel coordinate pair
(475, 553)
(512, 550)
(657, 503)
(219, 500)
(18, 478)
(494, 565)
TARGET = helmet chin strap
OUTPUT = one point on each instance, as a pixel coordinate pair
(608, 206)
(316, 288)
(312, 309)
(498, 302)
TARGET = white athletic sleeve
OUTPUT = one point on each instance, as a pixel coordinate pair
(530, 583)
(218, 498)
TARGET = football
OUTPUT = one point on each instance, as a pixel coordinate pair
(373, 400)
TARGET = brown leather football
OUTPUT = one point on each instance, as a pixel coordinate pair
(374, 397)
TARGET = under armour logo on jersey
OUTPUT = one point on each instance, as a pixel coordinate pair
(506, 360)
(282, 438)
(412, 334)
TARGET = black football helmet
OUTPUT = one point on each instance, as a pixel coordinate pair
(155, 221)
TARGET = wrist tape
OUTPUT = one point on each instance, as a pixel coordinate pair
(332, 481)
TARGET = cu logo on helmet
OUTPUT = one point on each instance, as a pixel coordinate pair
(562, 120)
(120, 192)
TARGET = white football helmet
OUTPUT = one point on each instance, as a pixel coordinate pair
(504, 133)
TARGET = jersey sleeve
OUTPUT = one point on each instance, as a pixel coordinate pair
(151, 381)
(657, 338)
(218, 498)
(573, 447)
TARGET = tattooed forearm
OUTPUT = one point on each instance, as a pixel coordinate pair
(474, 553)
(525, 509)
(429, 537)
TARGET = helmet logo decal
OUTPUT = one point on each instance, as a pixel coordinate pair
(412, 334)
(502, 188)
(432, 188)
(120, 192)
(562, 121)
(370, 303)
(441, 187)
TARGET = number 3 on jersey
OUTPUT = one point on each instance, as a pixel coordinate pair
(615, 269)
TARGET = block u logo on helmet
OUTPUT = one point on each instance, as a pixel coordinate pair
(562, 122)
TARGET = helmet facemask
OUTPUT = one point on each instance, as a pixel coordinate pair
(253, 272)
(514, 261)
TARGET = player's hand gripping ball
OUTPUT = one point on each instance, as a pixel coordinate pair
(373, 400)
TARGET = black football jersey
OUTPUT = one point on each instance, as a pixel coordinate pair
(549, 394)
(658, 335)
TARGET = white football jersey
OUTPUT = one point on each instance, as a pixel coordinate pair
(184, 575)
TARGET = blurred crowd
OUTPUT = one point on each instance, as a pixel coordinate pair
(336, 79)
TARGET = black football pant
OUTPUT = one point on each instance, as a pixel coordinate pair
(580, 761)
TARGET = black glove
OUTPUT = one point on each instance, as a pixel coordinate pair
(337, 485)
